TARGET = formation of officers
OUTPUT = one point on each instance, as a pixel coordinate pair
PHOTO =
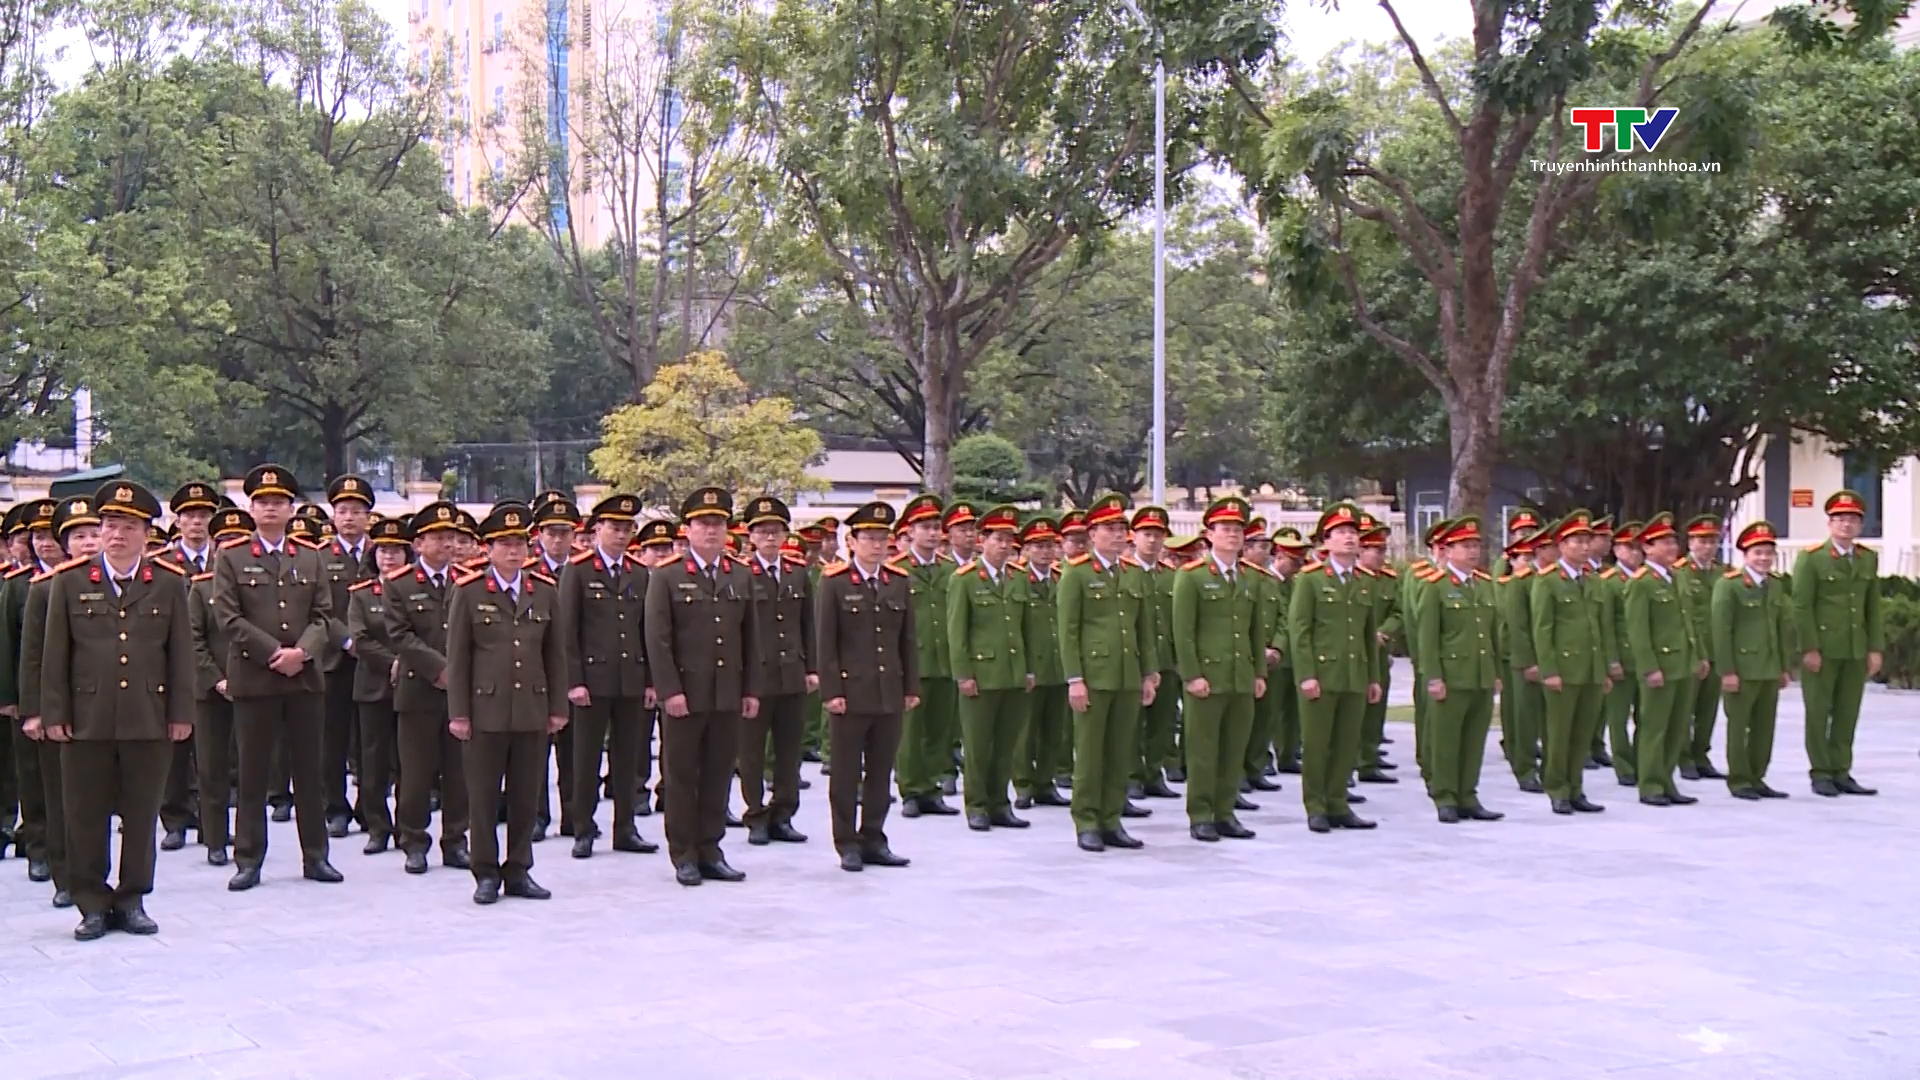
(252, 659)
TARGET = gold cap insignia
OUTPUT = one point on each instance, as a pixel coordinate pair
(513, 520)
(710, 499)
(269, 477)
(444, 514)
(123, 494)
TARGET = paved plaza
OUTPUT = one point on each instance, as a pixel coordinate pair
(1727, 939)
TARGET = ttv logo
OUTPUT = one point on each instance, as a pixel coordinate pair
(1626, 124)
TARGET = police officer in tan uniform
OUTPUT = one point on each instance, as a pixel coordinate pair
(347, 558)
(555, 522)
(375, 670)
(783, 610)
(270, 595)
(213, 722)
(192, 549)
(416, 613)
(506, 666)
(116, 693)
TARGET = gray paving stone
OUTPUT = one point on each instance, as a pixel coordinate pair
(1725, 940)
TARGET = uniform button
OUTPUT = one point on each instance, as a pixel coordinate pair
(283, 626)
(883, 669)
(283, 603)
(516, 663)
(719, 641)
(123, 635)
(516, 644)
(779, 618)
(123, 659)
(123, 684)
(516, 686)
(719, 663)
(623, 656)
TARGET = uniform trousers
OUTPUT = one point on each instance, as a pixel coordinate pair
(1573, 713)
(1664, 714)
(30, 835)
(429, 752)
(1259, 740)
(337, 740)
(618, 723)
(296, 721)
(9, 790)
(1039, 759)
(1160, 731)
(1832, 697)
(516, 762)
(179, 802)
(992, 724)
(1329, 745)
(1523, 713)
(1704, 711)
(53, 786)
(1457, 744)
(1621, 708)
(560, 748)
(924, 755)
(213, 754)
(1286, 714)
(698, 753)
(109, 776)
(1218, 727)
(1103, 753)
(1750, 715)
(373, 784)
(782, 721)
(1373, 725)
(864, 747)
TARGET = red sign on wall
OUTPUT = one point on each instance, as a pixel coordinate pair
(1803, 498)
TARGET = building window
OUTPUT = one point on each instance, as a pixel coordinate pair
(1428, 507)
(499, 103)
(1862, 474)
(1777, 488)
(499, 28)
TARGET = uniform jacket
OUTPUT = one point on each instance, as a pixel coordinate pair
(1330, 624)
(1696, 584)
(505, 658)
(783, 615)
(1216, 625)
(33, 631)
(986, 626)
(1107, 628)
(1836, 603)
(1660, 625)
(1457, 625)
(417, 632)
(117, 667)
(603, 610)
(1280, 638)
(1162, 576)
(268, 603)
(1514, 595)
(342, 572)
(1042, 629)
(1572, 635)
(209, 641)
(1751, 627)
(928, 586)
(700, 633)
(13, 606)
(866, 632)
(367, 629)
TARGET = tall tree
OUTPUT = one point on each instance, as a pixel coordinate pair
(944, 153)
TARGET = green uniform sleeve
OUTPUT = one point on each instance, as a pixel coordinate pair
(1069, 616)
(1186, 617)
(1876, 614)
(1546, 649)
(1725, 605)
(1425, 636)
(1640, 627)
(959, 643)
(1806, 590)
(1301, 611)
(1144, 629)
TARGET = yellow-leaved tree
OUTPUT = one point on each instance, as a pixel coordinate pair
(697, 425)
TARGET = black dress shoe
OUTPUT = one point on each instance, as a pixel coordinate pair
(1136, 790)
(136, 921)
(1358, 800)
(910, 808)
(632, 844)
(1023, 802)
(1768, 792)
(244, 878)
(1048, 796)
(806, 784)
(375, 845)
(949, 787)
(1678, 799)
(733, 822)
(92, 927)
(1708, 772)
(810, 755)
(934, 804)
(1746, 793)
(1627, 779)
(783, 832)
(979, 822)
(337, 826)
(1583, 806)
(718, 870)
(1449, 815)
(38, 870)
(1157, 788)
(1176, 775)
(1246, 786)
(1261, 783)
(1655, 799)
(539, 831)
(1688, 772)
(1120, 838)
(322, 872)
(643, 806)
(1593, 763)
(1291, 766)
(1132, 810)
(62, 899)
(1390, 766)
(1205, 831)
(216, 856)
(416, 862)
(1562, 806)
(283, 814)
(1232, 830)
(1319, 823)
(1064, 781)
(527, 889)
(883, 856)
(1603, 759)
(457, 857)
(1849, 786)
(757, 835)
(1270, 769)
(173, 841)
(1004, 819)
(851, 861)
(1826, 788)
(1480, 813)
(1376, 777)
(1351, 820)
(687, 874)
(486, 891)
(1244, 804)
(1090, 841)
(1531, 786)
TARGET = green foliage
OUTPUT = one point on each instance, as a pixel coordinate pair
(1900, 664)
(989, 469)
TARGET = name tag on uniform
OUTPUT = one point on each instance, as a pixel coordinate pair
(600, 585)
(1097, 583)
(253, 569)
(486, 607)
(90, 597)
(688, 586)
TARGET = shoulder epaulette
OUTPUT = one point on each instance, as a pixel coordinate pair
(1505, 578)
(469, 577)
(1562, 571)
(62, 568)
(236, 542)
(898, 566)
(1432, 574)
(169, 566)
(835, 569)
(945, 555)
(1257, 568)
(1017, 564)
(793, 560)
(1388, 571)
(1418, 565)
(1865, 548)
(1312, 566)
(356, 586)
(398, 573)
(1525, 571)
(582, 557)
(1636, 575)
(1482, 575)
(1128, 560)
(18, 571)
(1364, 570)
(208, 576)
(963, 569)
(1610, 573)
(1194, 565)
(1683, 563)
(1731, 574)
(541, 575)
(1076, 560)
(311, 545)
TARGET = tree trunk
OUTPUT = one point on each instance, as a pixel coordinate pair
(1476, 446)
(333, 441)
(936, 469)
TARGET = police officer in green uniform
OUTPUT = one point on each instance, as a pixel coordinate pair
(1522, 708)
(992, 669)
(1842, 632)
(1331, 628)
(375, 669)
(923, 756)
(1457, 622)
(1217, 617)
(1698, 573)
(1667, 659)
(1420, 574)
(416, 613)
(1572, 640)
(869, 676)
(116, 682)
(1390, 633)
(270, 596)
(1259, 764)
(1290, 552)
(1112, 664)
(506, 693)
(1037, 760)
(213, 720)
(1620, 709)
(700, 631)
(1160, 743)
(1752, 636)
(783, 599)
